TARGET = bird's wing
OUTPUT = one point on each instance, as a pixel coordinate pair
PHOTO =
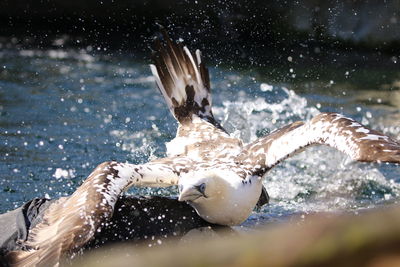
(335, 130)
(160, 172)
(69, 223)
(183, 80)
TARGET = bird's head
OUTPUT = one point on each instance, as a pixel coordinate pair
(220, 196)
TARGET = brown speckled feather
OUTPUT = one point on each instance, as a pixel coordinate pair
(332, 129)
(184, 82)
(182, 79)
(71, 222)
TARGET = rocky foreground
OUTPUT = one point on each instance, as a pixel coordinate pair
(369, 239)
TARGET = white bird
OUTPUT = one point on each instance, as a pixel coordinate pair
(217, 174)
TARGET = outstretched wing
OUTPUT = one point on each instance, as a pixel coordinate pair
(183, 80)
(69, 223)
(332, 129)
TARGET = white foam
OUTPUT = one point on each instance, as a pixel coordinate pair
(64, 173)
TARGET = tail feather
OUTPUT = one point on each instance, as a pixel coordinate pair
(182, 79)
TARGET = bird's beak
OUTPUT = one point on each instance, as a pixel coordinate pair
(189, 193)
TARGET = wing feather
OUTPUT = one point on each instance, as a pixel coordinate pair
(69, 223)
(184, 81)
(332, 129)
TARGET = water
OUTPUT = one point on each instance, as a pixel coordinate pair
(62, 112)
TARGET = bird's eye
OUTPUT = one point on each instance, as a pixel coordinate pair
(202, 188)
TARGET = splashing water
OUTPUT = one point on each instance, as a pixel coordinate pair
(318, 179)
(65, 111)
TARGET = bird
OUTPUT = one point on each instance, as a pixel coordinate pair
(219, 175)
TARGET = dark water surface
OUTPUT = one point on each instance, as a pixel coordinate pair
(62, 112)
